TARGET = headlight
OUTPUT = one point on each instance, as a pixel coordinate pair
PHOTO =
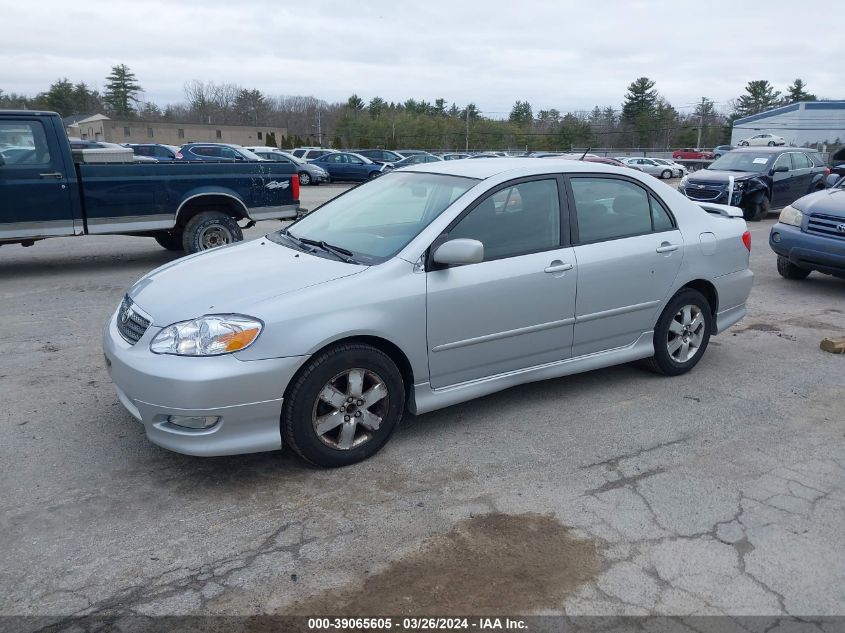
(684, 182)
(791, 215)
(207, 336)
(739, 185)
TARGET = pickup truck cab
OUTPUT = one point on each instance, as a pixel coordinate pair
(48, 191)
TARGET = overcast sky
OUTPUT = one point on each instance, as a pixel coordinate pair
(556, 54)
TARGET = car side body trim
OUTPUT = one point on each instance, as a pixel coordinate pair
(506, 334)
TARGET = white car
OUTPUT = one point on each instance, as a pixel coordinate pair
(678, 170)
(762, 139)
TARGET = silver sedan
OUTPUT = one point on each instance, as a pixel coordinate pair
(653, 167)
(427, 287)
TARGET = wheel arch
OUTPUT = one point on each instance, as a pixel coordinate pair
(706, 288)
(229, 203)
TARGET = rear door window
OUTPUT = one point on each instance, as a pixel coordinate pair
(800, 161)
(611, 208)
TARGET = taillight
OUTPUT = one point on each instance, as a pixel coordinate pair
(746, 239)
(294, 181)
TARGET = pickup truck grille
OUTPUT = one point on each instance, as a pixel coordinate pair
(826, 225)
(130, 324)
(700, 191)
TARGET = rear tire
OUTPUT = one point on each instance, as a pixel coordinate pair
(681, 334)
(208, 230)
(326, 417)
(788, 270)
(771, 143)
(171, 240)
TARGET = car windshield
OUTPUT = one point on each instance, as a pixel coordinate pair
(742, 161)
(249, 155)
(379, 218)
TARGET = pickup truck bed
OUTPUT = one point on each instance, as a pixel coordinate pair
(187, 206)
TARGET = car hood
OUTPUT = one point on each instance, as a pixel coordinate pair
(711, 175)
(829, 202)
(231, 279)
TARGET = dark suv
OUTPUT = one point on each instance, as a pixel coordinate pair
(220, 152)
(757, 179)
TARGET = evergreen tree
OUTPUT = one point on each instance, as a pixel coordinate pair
(521, 113)
(640, 100)
(355, 103)
(377, 107)
(796, 92)
(759, 96)
(121, 90)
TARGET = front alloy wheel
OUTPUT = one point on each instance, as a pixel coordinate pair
(304, 178)
(343, 405)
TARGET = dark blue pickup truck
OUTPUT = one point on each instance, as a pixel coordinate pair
(48, 191)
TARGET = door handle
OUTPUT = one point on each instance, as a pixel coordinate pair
(666, 247)
(558, 266)
(54, 174)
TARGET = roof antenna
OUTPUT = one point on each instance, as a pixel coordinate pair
(585, 153)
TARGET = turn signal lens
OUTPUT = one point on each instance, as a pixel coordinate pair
(746, 239)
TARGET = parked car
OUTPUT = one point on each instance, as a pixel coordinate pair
(158, 151)
(383, 156)
(692, 154)
(348, 166)
(85, 144)
(652, 167)
(810, 233)
(756, 179)
(310, 153)
(678, 170)
(454, 156)
(218, 152)
(721, 150)
(185, 207)
(308, 174)
(485, 155)
(762, 139)
(416, 159)
(324, 333)
(606, 160)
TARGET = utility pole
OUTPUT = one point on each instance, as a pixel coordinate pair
(700, 120)
(466, 145)
(319, 129)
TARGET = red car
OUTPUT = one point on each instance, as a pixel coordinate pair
(692, 154)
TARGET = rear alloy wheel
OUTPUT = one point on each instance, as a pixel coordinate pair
(681, 334)
(208, 230)
(771, 143)
(788, 270)
(343, 406)
(304, 178)
(666, 175)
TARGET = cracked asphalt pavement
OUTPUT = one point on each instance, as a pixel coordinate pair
(718, 492)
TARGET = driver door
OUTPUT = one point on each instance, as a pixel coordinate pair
(515, 309)
(782, 182)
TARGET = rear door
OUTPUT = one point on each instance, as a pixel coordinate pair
(628, 251)
(34, 191)
(802, 175)
(515, 309)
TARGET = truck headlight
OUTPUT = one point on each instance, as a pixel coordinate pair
(207, 336)
(791, 215)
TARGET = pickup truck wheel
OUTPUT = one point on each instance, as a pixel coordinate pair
(210, 229)
(304, 178)
(343, 405)
(171, 240)
(788, 270)
(681, 334)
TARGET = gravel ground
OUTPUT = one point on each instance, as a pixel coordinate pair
(611, 492)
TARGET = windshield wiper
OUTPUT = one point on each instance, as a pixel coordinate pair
(293, 238)
(337, 251)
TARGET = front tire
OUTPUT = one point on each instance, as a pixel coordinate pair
(772, 143)
(208, 230)
(681, 334)
(343, 405)
(304, 178)
(788, 270)
(666, 175)
(757, 211)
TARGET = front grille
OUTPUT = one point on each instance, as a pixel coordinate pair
(130, 324)
(696, 191)
(826, 225)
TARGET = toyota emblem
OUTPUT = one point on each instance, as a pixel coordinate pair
(700, 186)
(841, 227)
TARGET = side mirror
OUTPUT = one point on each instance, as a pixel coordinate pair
(459, 251)
(780, 169)
(832, 179)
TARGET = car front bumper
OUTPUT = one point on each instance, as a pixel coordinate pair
(825, 254)
(245, 396)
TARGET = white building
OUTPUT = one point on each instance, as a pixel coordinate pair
(806, 123)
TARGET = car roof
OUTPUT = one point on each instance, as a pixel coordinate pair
(771, 150)
(520, 166)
